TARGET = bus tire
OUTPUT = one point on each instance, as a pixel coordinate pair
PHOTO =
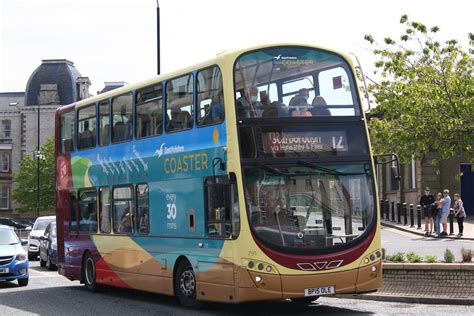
(89, 273)
(304, 300)
(185, 285)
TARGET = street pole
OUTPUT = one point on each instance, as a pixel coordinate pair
(158, 70)
(38, 168)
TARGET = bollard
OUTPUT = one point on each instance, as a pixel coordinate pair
(381, 209)
(399, 213)
(451, 224)
(405, 214)
(418, 214)
(412, 216)
(393, 211)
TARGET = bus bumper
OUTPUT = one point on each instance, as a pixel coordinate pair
(254, 286)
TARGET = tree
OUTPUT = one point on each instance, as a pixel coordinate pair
(426, 96)
(26, 185)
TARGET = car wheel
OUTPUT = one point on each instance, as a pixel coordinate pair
(89, 274)
(49, 264)
(304, 300)
(42, 263)
(23, 282)
(185, 285)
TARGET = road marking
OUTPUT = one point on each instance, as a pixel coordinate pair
(41, 273)
(45, 276)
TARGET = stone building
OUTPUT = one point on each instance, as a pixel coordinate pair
(55, 82)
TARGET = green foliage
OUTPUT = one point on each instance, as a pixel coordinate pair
(448, 256)
(26, 181)
(398, 257)
(412, 257)
(426, 94)
(431, 259)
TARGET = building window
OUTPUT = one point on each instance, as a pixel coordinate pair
(179, 103)
(4, 197)
(149, 111)
(4, 162)
(410, 175)
(210, 97)
(7, 128)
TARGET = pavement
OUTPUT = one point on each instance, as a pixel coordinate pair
(386, 295)
(468, 233)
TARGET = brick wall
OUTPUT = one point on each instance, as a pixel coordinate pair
(437, 280)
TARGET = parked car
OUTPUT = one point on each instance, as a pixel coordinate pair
(13, 260)
(34, 236)
(48, 249)
(13, 223)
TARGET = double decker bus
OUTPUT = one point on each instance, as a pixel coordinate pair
(247, 177)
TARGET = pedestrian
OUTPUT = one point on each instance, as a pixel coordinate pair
(459, 213)
(426, 203)
(445, 203)
(436, 213)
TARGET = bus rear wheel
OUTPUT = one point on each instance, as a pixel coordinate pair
(185, 285)
(304, 300)
(89, 274)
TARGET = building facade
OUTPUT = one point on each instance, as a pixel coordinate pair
(25, 115)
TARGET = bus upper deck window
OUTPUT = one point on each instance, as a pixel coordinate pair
(210, 97)
(179, 103)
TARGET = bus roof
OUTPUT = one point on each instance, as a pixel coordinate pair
(233, 54)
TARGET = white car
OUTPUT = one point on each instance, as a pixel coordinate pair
(36, 232)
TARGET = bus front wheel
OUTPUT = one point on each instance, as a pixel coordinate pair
(88, 273)
(185, 285)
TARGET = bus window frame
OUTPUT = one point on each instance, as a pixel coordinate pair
(137, 216)
(79, 191)
(132, 211)
(71, 112)
(130, 93)
(196, 98)
(356, 98)
(166, 121)
(109, 134)
(162, 130)
(77, 123)
(99, 209)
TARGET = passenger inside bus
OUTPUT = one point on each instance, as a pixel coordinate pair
(302, 93)
(319, 107)
(248, 105)
(217, 108)
(125, 222)
(86, 138)
(300, 107)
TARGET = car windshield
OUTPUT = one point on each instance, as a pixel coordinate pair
(8, 237)
(306, 206)
(41, 224)
(290, 81)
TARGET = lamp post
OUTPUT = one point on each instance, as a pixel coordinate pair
(158, 66)
(38, 157)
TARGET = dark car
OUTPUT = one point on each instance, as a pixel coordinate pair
(48, 249)
(12, 223)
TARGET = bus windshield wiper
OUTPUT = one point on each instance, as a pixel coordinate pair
(272, 169)
(318, 167)
(326, 170)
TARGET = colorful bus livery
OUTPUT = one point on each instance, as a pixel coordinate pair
(248, 177)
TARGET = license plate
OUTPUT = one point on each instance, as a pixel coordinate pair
(315, 291)
(4, 270)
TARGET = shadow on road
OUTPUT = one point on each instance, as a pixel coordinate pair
(75, 300)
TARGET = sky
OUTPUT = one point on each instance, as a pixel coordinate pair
(115, 40)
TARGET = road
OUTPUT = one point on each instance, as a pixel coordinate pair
(51, 294)
(394, 240)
